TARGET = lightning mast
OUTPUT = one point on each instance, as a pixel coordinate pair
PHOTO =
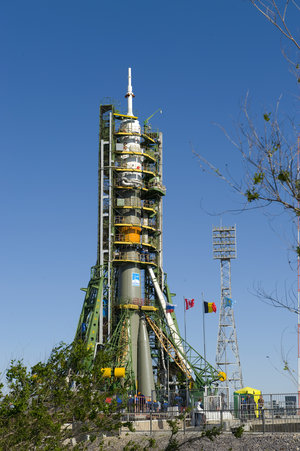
(227, 355)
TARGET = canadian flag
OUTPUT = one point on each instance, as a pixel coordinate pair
(189, 303)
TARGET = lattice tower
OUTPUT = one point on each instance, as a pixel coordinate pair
(227, 355)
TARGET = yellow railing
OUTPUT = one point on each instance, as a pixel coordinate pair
(133, 221)
(147, 153)
(134, 203)
(141, 166)
(137, 301)
(123, 238)
(127, 256)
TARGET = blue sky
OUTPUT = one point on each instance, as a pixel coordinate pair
(196, 61)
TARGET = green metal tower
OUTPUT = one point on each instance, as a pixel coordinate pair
(125, 305)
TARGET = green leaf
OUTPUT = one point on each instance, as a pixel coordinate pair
(284, 176)
(251, 195)
(40, 401)
(258, 177)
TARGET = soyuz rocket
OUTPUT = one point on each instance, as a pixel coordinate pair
(129, 274)
(125, 309)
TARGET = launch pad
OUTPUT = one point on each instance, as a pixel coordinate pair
(127, 303)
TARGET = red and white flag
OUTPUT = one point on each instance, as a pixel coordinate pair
(189, 303)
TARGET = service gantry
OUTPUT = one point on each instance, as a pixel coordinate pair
(125, 306)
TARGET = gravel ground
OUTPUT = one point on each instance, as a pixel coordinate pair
(193, 441)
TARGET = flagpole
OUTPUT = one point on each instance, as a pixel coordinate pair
(184, 309)
(186, 378)
(204, 347)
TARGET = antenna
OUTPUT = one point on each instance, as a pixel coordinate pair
(129, 94)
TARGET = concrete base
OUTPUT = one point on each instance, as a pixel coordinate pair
(145, 426)
(276, 426)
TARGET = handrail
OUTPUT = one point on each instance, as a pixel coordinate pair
(137, 301)
(134, 221)
(135, 203)
(123, 238)
(149, 154)
(144, 166)
(143, 258)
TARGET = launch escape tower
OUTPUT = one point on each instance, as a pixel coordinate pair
(125, 305)
(227, 355)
